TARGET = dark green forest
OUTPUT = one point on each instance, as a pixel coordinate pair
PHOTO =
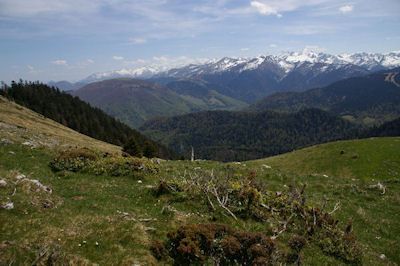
(388, 129)
(237, 136)
(78, 115)
(368, 100)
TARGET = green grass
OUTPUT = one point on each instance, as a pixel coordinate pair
(368, 159)
(88, 208)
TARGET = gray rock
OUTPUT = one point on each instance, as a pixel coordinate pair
(3, 183)
(8, 206)
(6, 142)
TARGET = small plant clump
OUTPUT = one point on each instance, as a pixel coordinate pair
(73, 160)
(85, 160)
(223, 245)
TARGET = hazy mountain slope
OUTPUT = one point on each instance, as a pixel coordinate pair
(204, 95)
(135, 101)
(66, 85)
(369, 99)
(236, 136)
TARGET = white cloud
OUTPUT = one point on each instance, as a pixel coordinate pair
(314, 48)
(90, 61)
(273, 45)
(118, 58)
(346, 9)
(135, 62)
(278, 7)
(264, 8)
(137, 40)
(60, 62)
(160, 58)
(245, 49)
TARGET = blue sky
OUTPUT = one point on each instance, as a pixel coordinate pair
(70, 39)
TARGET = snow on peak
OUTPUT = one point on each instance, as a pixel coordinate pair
(286, 62)
(254, 63)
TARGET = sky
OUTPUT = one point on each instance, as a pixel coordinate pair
(71, 39)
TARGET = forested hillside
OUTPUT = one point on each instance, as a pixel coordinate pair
(369, 100)
(391, 128)
(237, 136)
(76, 114)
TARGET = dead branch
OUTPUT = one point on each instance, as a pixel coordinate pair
(222, 204)
(315, 218)
(380, 187)
(283, 229)
(337, 207)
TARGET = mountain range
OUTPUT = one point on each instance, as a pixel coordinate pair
(368, 100)
(249, 79)
(287, 120)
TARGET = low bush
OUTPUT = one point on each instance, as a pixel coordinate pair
(73, 160)
(85, 160)
(199, 243)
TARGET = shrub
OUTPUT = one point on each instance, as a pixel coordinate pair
(340, 245)
(158, 249)
(149, 150)
(165, 187)
(193, 244)
(88, 161)
(132, 148)
(73, 160)
(297, 242)
(231, 247)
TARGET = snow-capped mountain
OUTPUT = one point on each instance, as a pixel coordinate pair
(141, 72)
(290, 61)
(249, 79)
(287, 62)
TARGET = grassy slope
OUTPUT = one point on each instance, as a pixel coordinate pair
(18, 123)
(87, 205)
(367, 159)
(346, 178)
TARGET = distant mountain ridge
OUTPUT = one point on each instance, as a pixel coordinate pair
(249, 79)
(134, 101)
(370, 99)
(286, 61)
